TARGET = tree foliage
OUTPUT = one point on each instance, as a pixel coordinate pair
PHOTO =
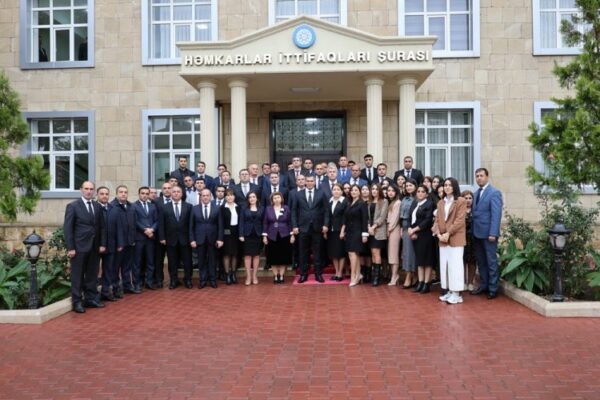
(570, 140)
(21, 178)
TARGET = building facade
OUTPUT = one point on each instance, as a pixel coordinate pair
(114, 91)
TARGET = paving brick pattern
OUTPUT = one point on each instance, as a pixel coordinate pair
(290, 342)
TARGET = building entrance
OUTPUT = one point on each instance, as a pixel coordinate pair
(318, 135)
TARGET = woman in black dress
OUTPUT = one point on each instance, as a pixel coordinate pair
(231, 242)
(355, 232)
(469, 254)
(277, 229)
(251, 224)
(335, 245)
(421, 217)
(365, 253)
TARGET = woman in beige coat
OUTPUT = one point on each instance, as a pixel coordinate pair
(377, 229)
(450, 229)
(394, 232)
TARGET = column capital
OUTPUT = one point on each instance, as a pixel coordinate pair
(237, 82)
(206, 83)
(373, 80)
(407, 81)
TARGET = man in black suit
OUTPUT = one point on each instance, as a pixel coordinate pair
(160, 249)
(243, 188)
(173, 231)
(296, 171)
(381, 174)
(225, 180)
(103, 197)
(308, 166)
(309, 221)
(320, 175)
(254, 177)
(146, 229)
(182, 171)
(121, 223)
(206, 236)
(282, 177)
(409, 172)
(85, 239)
(275, 186)
(201, 173)
(332, 179)
(368, 172)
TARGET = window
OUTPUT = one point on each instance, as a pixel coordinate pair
(447, 140)
(65, 140)
(547, 18)
(166, 22)
(57, 33)
(454, 22)
(328, 10)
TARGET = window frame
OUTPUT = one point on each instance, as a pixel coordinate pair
(475, 108)
(538, 162)
(25, 38)
(26, 149)
(343, 13)
(475, 32)
(172, 112)
(538, 50)
(146, 9)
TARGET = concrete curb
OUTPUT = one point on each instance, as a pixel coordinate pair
(38, 316)
(589, 309)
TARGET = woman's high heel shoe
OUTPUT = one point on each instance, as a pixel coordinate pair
(394, 282)
(419, 287)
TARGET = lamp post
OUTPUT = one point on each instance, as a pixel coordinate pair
(33, 244)
(558, 238)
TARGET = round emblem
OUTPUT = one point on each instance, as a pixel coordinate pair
(304, 36)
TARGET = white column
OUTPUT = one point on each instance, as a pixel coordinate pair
(406, 116)
(374, 118)
(208, 135)
(238, 125)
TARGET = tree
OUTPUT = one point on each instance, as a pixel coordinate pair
(570, 140)
(21, 178)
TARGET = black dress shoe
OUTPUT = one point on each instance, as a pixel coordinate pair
(213, 284)
(129, 290)
(492, 295)
(419, 287)
(303, 278)
(137, 290)
(478, 291)
(188, 284)
(93, 304)
(426, 288)
(172, 285)
(228, 280)
(281, 281)
(118, 294)
(234, 278)
(78, 308)
(150, 286)
(108, 297)
(159, 285)
(201, 285)
(319, 278)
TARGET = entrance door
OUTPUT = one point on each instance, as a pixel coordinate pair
(318, 135)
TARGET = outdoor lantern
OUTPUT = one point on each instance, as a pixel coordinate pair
(33, 243)
(558, 238)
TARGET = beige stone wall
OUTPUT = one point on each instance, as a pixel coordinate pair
(506, 79)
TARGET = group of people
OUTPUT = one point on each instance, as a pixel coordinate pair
(328, 213)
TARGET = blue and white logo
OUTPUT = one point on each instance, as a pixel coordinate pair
(304, 36)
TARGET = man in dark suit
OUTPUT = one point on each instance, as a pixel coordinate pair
(254, 177)
(84, 239)
(243, 188)
(308, 165)
(355, 178)
(103, 197)
(173, 231)
(343, 175)
(282, 177)
(275, 186)
(409, 172)
(206, 236)
(182, 171)
(368, 172)
(121, 224)
(332, 179)
(225, 180)
(209, 181)
(381, 174)
(266, 173)
(486, 217)
(160, 249)
(146, 229)
(320, 175)
(309, 221)
(296, 171)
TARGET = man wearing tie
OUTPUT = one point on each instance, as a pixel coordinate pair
(242, 189)
(332, 179)
(146, 229)
(160, 249)
(122, 224)
(320, 177)
(282, 177)
(174, 233)
(355, 178)
(219, 199)
(188, 187)
(103, 197)
(409, 172)
(274, 187)
(343, 172)
(368, 172)
(201, 173)
(309, 222)
(206, 236)
(85, 238)
(296, 171)
(486, 217)
(382, 174)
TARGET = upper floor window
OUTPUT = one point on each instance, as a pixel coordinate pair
(57, 33)
(547, 19)
(328, 10)
(454, 22)
(166, 22)
(65, 140)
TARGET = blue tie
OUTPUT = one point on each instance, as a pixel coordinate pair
(478, 195)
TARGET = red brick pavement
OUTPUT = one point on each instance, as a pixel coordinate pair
(284, 342)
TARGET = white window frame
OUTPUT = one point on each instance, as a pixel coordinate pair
(538, 50)
(26, 45)
(475, 108)
(475, 31)
(538, 161)
(147, 167)
(147, 58)
(343, 12)
(27, 150)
